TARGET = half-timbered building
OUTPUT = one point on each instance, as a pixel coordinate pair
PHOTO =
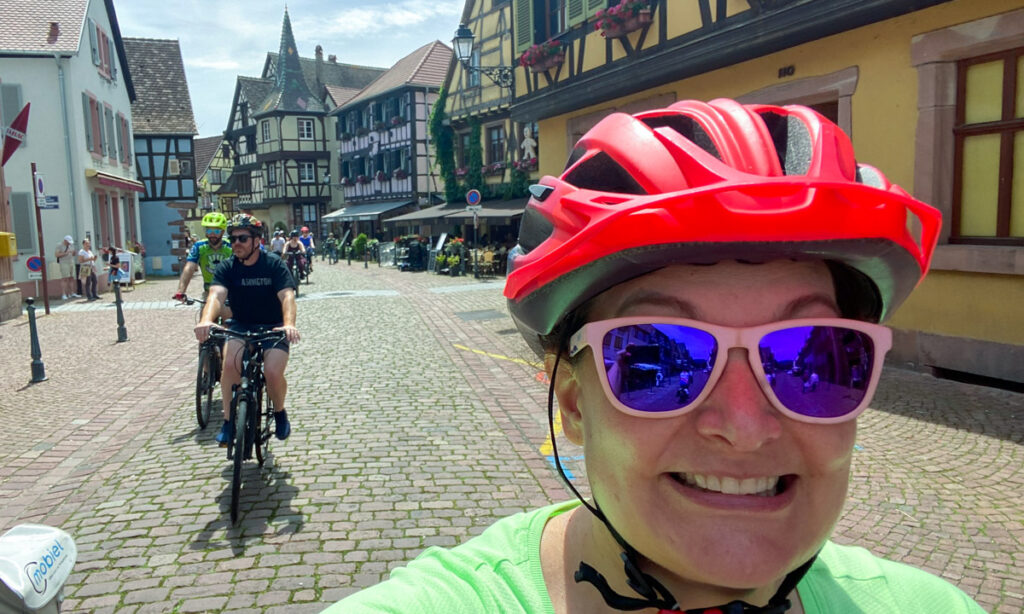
(278, 133)
(386, 165)
(929, 91)
(164, 156)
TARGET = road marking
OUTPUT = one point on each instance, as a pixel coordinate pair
(520, 361)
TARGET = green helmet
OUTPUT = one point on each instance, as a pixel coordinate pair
(215, 219)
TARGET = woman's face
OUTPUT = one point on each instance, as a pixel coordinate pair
(638, 467)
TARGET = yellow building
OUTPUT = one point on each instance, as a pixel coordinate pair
(931, 92)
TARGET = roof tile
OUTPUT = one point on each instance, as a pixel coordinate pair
(162, 105)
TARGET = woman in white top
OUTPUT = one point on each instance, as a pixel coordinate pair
(87, 272)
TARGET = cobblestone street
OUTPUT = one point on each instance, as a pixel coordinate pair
(418, 419)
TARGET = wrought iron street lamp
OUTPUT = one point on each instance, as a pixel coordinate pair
(463, 45)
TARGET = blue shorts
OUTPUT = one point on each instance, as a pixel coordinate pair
(238, 327)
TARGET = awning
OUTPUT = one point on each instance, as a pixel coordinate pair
(430, 213)
(114, 181)
(365, 212)
(493, 209)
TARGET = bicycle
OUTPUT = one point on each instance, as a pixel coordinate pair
(247, 407)
(207, 372)
(292, 260)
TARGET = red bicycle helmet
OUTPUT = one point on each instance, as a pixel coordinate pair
(704, 182)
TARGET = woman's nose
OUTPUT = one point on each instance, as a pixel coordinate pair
(737, 412)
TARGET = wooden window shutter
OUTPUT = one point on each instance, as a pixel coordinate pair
(113, 60)
(523, 25)
(575, 11)
(594, 6)
(87, 115)
(93, 43)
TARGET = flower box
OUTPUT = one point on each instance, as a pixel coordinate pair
(378, 126)
(346, 181)
(397, 120)
(399, 173)
(461, 172)
(381, 176)
(362, 131)
(543, 56)
(363, 179)
(525, 166)
(625, 17)
(495, 168)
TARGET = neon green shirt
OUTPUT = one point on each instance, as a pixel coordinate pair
(208, 258)
(499, 571)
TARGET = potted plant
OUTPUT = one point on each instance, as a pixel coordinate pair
(364, 179)
(543, 56)
(623, 18)
(397, 120)
(381, 175)
(494, 168)
(399, 173)
(346, 181)
(461, 172)
(529, 164)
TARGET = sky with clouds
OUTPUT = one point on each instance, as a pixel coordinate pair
(221, 39)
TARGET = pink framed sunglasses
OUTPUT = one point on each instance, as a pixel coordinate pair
(818, 370)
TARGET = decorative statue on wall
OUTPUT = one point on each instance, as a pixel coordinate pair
(528, 144)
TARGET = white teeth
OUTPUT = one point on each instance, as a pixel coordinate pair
(763, 486)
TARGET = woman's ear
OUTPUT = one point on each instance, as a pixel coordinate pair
(567, 392)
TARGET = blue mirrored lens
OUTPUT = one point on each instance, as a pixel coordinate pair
(818, 371)
(658, 367)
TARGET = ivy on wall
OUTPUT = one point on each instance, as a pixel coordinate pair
(444, 147)
(475, 158)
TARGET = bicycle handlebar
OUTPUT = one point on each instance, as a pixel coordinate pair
(262, 335)
(191, 300)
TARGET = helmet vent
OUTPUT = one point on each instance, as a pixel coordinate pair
(575, 156)
(603, 174)
(687, 128)
(792, 142)
(870, 176)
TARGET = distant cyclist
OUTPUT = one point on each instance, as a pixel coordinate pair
(205, 255)
(262, 292)
(307, 241)
(295, 254)
(277, 243)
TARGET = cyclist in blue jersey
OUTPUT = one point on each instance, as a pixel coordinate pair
(205, 255)
(307, 241)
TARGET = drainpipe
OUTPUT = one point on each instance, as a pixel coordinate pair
(67, 145)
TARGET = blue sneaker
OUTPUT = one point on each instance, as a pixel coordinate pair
(226, 434)
(282, 427)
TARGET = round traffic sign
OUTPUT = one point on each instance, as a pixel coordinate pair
(35, 263)
(473, 197)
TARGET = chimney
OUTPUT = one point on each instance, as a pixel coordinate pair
(54, 32)
(319, 68)
(333, 59)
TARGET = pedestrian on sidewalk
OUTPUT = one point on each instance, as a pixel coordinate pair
(730, 241)
(65, 254)
(87, 270)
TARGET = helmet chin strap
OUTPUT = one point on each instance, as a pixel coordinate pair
(654, 594)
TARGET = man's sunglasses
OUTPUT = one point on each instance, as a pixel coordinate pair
(214, 232)
(239, 238)
(820, 370)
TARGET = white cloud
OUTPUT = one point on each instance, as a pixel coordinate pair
(203, 62)
(368, 19)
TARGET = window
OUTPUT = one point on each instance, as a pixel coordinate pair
(462, 151)
(126, 140)
(185, 165)
(265, 130)
(307, 172)
(473, 78)
(10, 101)
(215, 176)
(988, 185)
(398, 159)
(271, 175)
(23, 215)
(309, 212)
(495, 144)
(305, 129)
(104, 53)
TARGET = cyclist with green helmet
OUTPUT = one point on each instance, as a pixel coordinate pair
(205, 255)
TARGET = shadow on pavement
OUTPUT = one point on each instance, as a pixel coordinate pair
(978, 409)
(264, 509)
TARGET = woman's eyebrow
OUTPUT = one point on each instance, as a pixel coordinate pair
(801, 303)
(657, 299)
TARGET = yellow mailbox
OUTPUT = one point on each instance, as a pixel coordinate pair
(8, 244)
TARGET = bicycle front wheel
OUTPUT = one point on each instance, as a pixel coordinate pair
(265, 416)
(241, 418)
(205, 379)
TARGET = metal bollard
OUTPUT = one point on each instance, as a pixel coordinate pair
(348, 253)
(38, 368)
(122, 333)
(366, 258)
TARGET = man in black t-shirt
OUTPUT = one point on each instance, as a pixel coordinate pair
(262, 295)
